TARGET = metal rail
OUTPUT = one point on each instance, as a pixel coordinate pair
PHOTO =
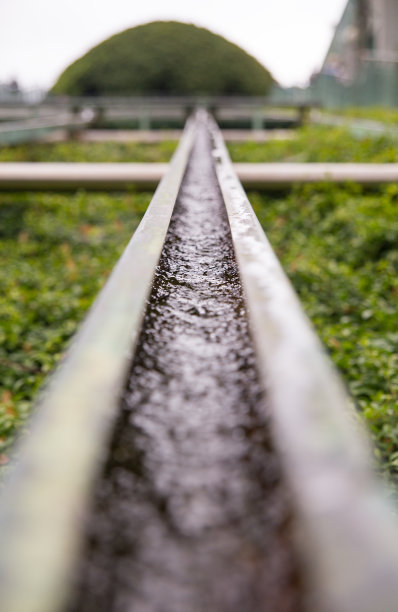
(146, 111)
(42, 176)
(70, 176)
(282, 175)
(155, 102)
(346, 533)
(45, 498)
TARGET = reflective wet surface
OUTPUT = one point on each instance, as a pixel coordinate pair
(191, 513)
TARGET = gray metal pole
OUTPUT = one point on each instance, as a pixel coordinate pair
(103, 176)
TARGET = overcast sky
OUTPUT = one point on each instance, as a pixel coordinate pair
(39, 38)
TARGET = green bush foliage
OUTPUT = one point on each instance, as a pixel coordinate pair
(339, 246)
(318, 144)
(375, 113)
(57, 252)
(89, 152)
(165, 58)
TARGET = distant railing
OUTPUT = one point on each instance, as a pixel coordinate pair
(145, 112)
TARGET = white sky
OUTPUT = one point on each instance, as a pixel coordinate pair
(39, 38)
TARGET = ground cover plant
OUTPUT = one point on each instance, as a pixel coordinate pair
(57, 251)
(89, 152)
(375, 113)
(318, 144)
(339, 246)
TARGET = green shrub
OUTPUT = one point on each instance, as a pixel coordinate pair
(165, 58)
(318, 144)
(339, 246)
(89, 152)
(57, 251)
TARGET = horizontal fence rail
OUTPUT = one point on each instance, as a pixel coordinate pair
(19, 176)
(287, 174)
(146, 112)
(70, 176)
(346, 534)
(134, 102)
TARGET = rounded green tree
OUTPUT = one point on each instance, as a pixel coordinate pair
(165, 58)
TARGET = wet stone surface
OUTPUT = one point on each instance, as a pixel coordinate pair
(190, 514)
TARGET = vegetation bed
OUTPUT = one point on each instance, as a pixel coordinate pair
(318, 144)
(339, 246)
(375, 113)
(89, 152)
(57, 252)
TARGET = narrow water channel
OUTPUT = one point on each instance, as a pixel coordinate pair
(191, 513)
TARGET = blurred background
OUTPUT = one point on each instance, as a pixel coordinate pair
(38, 40)
(347, 51)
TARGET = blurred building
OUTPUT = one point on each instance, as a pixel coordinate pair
(368, 31)
(361, 65)
(383, 21)
(12, 93)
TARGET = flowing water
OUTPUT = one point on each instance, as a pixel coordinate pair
(191, 513)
